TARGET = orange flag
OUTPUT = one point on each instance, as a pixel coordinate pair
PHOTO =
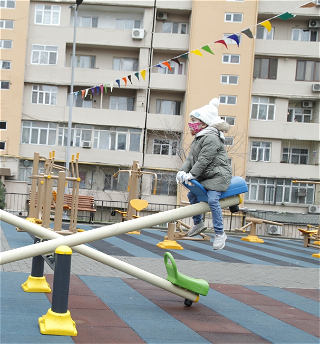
(125, 81)
(82, 93)
(166, 63)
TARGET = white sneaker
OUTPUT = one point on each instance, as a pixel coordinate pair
(219, 241)
(197, 229)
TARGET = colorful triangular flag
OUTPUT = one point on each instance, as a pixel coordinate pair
(166, 63)
(184, 56)
(118, 82)
(125, 81)
(143, 74)
(105, 88)
(248, 33)
(129, 77)
(86, 93)
(137, 75)
(286, 16)
(111, 86)
(196, 52)
(98, 89)
(222, 41)
(82, 93)
(207, 49)
(158, 65)
(92, 90)
(309, 4)
(101, 88)
(235, 38)
(267, 25)
(176, 60)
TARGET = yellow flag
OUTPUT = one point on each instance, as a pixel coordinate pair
(143, 74)
(267, 25)
(196, 52)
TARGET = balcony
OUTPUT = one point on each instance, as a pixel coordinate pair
(160, 161)
(168, 41)
(168, 82)
(165, 122)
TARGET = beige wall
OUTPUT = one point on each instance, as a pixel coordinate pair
(11, 100)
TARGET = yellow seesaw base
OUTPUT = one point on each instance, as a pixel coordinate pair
(316, 255)
(253, 238)
(134, 232)
(170, 244)
(36, 285)
(59, 324)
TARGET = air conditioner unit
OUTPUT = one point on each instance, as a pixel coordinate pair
(137, 33)
(314, 23)
(315, 87)
(301, 193)
(307, 104)
(162, 16)
(314, 209)
(274, 229)
(88, 97)
(86, 144)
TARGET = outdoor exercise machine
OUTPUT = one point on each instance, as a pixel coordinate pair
(236, 187)
(135, 205)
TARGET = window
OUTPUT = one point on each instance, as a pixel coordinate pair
(288, 192)
(229, 100)
(85, 102)
(44, 54)
(166, 184)
(304, 35)
(79, 133)
(3, 125)
(85, 61)
(87, 21)
(2, 145)
(6, 24)
(5, 44)
(260, 189)
(121, 103)
(175, 68)
(308, 71)
(125, 63)
(295, 156)
(265, 68)
(229, 141)
(4, 85)
(7, 3)
(230, 120)
(39, 133)
(227, 58)
(5, 64)
(43, 94)
(263, 108)
(263, 33)
(229, 79)
(260, 151)
(229, 40)
(181, 28)
(128, 24)
(135, 140)
(301, 115)
(47, 15)
(233, 17)
(168, 107)
(165, 147)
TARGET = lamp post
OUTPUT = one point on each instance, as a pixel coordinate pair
(78, 2)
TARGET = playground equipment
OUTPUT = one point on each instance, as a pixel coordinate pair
(237, 186)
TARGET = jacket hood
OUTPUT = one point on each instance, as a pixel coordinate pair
(222, 126)
(211, 130)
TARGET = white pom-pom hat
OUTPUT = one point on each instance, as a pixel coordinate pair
(208, 114)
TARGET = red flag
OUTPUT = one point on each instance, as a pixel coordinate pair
(222, 41)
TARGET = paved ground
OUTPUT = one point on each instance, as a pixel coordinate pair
(259, 293)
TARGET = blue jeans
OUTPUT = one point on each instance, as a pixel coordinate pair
(214, 204)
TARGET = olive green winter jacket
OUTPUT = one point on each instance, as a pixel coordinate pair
(208, 160)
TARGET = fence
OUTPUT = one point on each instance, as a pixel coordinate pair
(106, 213)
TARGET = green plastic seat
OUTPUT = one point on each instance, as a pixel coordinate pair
(196, 285)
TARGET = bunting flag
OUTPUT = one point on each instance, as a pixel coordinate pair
(166, 63)
(98, 89)
(196, 52)
(309, 4)
(137, 75)
(125, 81)
(111, 86)
(207, 49)
(118, 82)
(176, 60)
(248, 33)
(76, 95)
(184, 56)
(267, 25)
(101, 89)
(286, 16)
(235, 38)
(105, 88)
(222, 41)
(86, 93)
(129, 77)
(82, 92)
(143, 74)
(92, 90)
(158, 65)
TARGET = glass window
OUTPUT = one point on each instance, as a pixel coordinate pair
(233, 17)
(125, 63)
(230, 120)
(175, 68)
(308, 70)
(227, 58)
(229, 79)
(295, 156)
(47, 15)
(39, 133)
(121, 103)
(265, 68)
(260, 151)
(7, 3)
(5, 44)
(5, 64)
(304, 35)
(263, 33)
(127, 24)
(263, 108)
(165, 147)
(229, 40)
(302, 115)
(44, 54)
(4, 85)
(85, 61)
(6, 24)
(168, 107)
(228, 100)
(44, 94)
(170, 27)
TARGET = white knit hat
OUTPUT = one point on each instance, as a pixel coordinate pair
(208, 114)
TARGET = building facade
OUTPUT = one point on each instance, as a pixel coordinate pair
(263, 85)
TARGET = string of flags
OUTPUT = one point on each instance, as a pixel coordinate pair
(266, 23)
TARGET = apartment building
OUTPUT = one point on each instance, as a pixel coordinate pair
(263, 84)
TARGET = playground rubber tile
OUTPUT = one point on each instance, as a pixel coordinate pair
(312, 294)
(87, 302)
(233, 338)
(106, 247)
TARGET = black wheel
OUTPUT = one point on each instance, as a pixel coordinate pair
(188, 302)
